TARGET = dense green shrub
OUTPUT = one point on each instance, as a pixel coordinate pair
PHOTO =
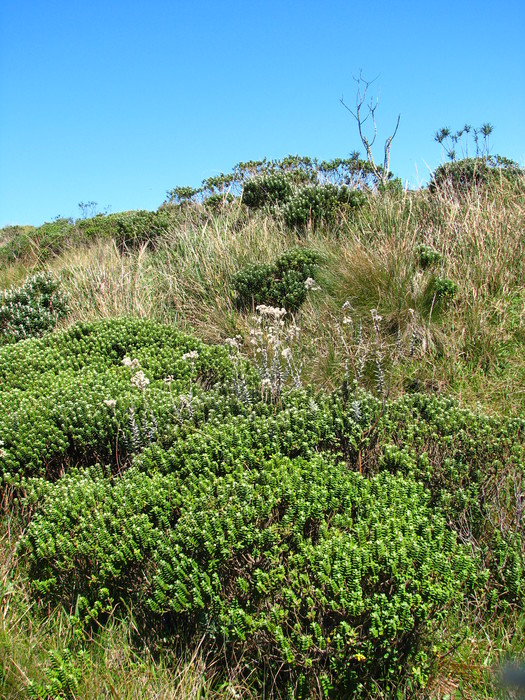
(135, 228)
(283, 283)
(427, 256)
(462, 175)
(267, 190)
(32, 309)
(15, 243)
(320, 204)
(69, 399)
(329, 535)
(99, 226)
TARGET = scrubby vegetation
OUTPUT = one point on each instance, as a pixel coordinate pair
(247, 452)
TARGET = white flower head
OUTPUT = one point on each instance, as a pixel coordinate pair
(274, 311)
(140, 380)
(132, 364)
(192, 355)
(232, 343)
(310, 283)
(110, 403)
(286, 353)
(168, 379)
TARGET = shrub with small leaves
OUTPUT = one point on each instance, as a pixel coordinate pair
(462, 176)
(330, 534)
(427, 256)
(316, 204)
(267, 190)
(283, 283)
(32, 309)
(135, 228)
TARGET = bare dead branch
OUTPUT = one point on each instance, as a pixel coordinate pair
(363, 112)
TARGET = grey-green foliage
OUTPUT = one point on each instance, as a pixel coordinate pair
(31, 309)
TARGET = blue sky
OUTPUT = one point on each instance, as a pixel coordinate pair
(117, 102)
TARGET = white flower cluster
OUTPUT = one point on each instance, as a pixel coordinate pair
(192, 355)
(110, 403)
(273, 311)
(311, 284)
(132, 364)
(234, 343)
(140, 380)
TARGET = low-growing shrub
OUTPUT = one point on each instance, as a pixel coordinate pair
(267, 190)
(328, 534)
(427, 256)
(79, 396)
(438, 292)
(463, 175)
(32, 309)
(316, 204)
(283, 283)
(135, 228)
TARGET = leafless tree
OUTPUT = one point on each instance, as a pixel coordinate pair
(363, 112)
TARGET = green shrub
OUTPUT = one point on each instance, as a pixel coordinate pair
(135, 228)
(267, 190)
(438, 292)
(427, 256)
(68, 399)
(318, 204)
(99, 226)
(328, 534)
(15, 243)
(32, 309)
(282, 283)
(462, 175)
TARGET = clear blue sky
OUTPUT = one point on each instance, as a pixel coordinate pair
(117, 102)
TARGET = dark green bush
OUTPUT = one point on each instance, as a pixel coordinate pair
(99, 226)
(282, 283)
(438, 292)
(316, 204)
(427, 256)
(462, 175)
(15, 243)
(267, 190)
(136, 228)
(32, 309)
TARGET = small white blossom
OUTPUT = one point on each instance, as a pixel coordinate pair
(286, 353)
(310, 283)
(274, 311)
(232, 342)
(132, 364)
(168, 379)
(140, 380)
(110, 403)
(192, 355)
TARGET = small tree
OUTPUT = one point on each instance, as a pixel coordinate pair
(449, 140)
(363, 112)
